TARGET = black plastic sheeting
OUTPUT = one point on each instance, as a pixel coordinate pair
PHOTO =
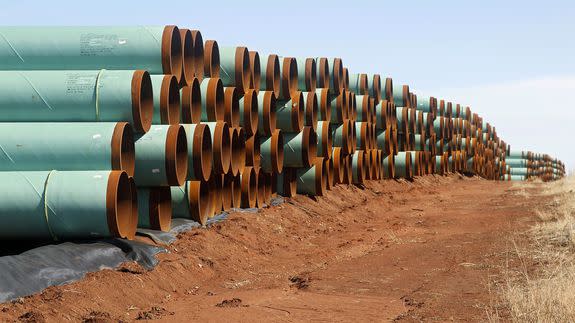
(28, 268)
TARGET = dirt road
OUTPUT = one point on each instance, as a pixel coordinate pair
(428, 250)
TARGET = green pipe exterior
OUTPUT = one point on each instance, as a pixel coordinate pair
(358, 138)
(311, 109)
(336, 115)
(268, 157)
(361, 108)
(85, 48)
(150, 208)
(191, 201)
(380, 112)
(198, 145)
(518, 178)
(159, 116)
(357, 163)
(295, 149)
(420, 143)
(62, 205)
(438, 165)
(286, 117)
(517, 154)
(86, 96)
(372, 85)
(423, 104)
(265, 116)
(401, 166)
(151, 150)
(340, 137)
(65, 146)
(228, 66)
(386, 166)
(398, 97)
(519, 171)
(400, 121)
(309, 180)
(321, 127)
(381, 140)
(354, 83)
(301, 75)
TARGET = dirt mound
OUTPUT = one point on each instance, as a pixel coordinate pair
(423, 250)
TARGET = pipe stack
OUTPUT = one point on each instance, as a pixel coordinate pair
(112, 128)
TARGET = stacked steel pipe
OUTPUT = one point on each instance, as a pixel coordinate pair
(106, 129)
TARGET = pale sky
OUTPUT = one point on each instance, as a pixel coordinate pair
(511, 61)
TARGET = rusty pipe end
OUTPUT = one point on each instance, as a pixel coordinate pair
(238, 157)
(119, 202)
(236, 190)
(310, 74)
(255, 71)
(123, 149)
(289, 78)
(176, 155)
(202, 152)
(160, 208)
(248, 187)
(232, 106)
(188, 58)
(172, 53)
(211, 59)
(142, 101)
(170, 100)
(198, 54)
(269, 113)
(277, 151)
(199, 201)
(191, 97)
(130, 231)
(261, 187)
(273, 77)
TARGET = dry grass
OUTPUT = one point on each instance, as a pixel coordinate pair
(542, 289)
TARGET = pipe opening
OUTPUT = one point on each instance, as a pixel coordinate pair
(232, 106)
(249, 188)
(297, 111)
(119, 205)
(310, 74)
(269, 113)
(170, 100)
(238, 151)
(242, 69)
(311, 110)
(123, 149)
(172, 60)
(221, 148)
(289, 78)
(198, 54)
(211, 59)
(188, 57)
(273, 77)
(325, 105)
(160, 208)
(261, 188)
(236, 191)
(337, 76)
(320, 176)
(202, 152)
(200, 201)
(226, 193)
(191, 96)
(309, 146)
(176, 155)
(345, 78)
(142, 101)
(255, 72)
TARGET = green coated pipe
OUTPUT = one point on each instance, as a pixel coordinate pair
(420, 143)
(338, 108)
(86, 96)
(358, 84)
(62, 205)
(362, 108)
(300, 148)
(166, 99)
(516, 162)
(403, 165)
(439, 165)
(358, 167)
(161, 156)
(342, 137)
(424, 104)
(157, 49)
(67, 146)
(200, 151)
(249, 109)
(286, 182)
(335, 75)
(271, 74)
(389, 166)
(324, 139)
(311, 109)
(266, 112)
(290, 114)
(384, 141)
(155, 208)
(399, 96)
(307, 74)
(191, 201)
(235, 67)
(519, 171)
(272, 152)
(374, 86)
(518, 154)
(312, 180)
(518, 178)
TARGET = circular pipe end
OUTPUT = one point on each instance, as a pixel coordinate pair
(202, 152)
(188, 59)
(170, 100)
(133, 227)
(191, 97)
(142, 101)
(160, 208)
(198, 54)
(176, 155)
(199, 199)
(255, 71)
(172, 53)
(310, 74)
(211, 59)
(119, 200)
(269, 112)
(238, 157)
(123, 149)
(261, 187)
(222, 148)
(277, 151)
(273, 76)
(248, 187)
(232, 106)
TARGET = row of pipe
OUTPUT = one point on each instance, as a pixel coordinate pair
(133, 126)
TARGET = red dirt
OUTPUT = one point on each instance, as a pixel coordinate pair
(428, 250)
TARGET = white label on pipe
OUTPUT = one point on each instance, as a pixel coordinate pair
(96, 136)
(155, 170)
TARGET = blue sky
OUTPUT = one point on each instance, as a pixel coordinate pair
(511, 61)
